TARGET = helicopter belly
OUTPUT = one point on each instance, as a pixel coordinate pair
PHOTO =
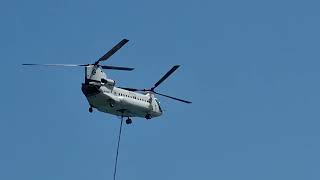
(135, 108)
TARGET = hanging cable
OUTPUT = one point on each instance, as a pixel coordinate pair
(119, 138)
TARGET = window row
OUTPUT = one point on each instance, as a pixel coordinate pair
(133, 97)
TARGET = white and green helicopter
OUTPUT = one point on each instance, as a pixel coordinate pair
(103, 95)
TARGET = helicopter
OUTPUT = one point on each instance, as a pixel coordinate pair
(103, 95)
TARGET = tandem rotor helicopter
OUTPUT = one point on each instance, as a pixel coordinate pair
(103, 95)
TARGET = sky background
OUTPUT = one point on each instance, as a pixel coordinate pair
(250, 67)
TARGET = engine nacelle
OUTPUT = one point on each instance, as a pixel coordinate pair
(108, 82)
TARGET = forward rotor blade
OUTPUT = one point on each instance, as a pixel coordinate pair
(173, 98)
(117, 68)
(166, 76)
(112, 51)
(65, 65)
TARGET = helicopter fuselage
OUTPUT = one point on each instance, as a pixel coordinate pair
(120, 102)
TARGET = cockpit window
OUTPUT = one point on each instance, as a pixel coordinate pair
(158, 105)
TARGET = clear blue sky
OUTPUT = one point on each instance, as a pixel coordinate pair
(250, 67)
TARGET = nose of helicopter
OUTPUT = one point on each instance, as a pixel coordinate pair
(158, 113)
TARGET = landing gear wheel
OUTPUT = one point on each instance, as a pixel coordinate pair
(90, 109)
(128, 121)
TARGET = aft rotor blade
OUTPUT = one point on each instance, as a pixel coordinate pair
(166, 76)
(65, 65)
(112, 51)
(173, 98)
(117, 68)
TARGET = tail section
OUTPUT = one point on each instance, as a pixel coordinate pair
(94, 74)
